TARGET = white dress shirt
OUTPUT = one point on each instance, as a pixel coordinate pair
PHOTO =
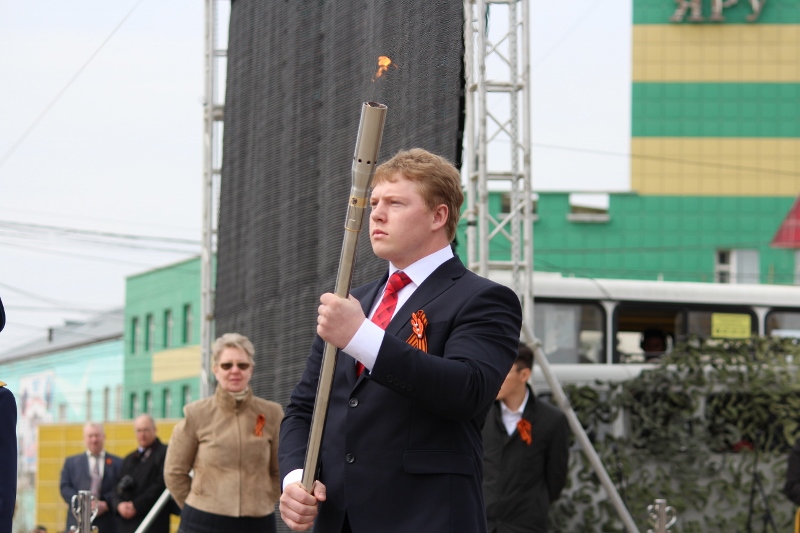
(512, 418)
(101, 457)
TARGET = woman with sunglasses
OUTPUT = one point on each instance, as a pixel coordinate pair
(231, 441)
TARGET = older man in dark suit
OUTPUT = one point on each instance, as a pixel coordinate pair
(402, 450)
(94, 470)
(142, 481)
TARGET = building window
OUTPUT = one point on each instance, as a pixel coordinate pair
(62, 412)
(136, 335)
(737, 266)
(186, 396)
(167, 405)
(118, 410)
(505, 205)
(106, 402)
(168, 328)
(134, 406)
(88, 405)
(148, 403)
(722, 269)
(187, 324)
(150, 333)
(589, 207)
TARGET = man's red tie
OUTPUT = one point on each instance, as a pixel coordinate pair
(383, 314)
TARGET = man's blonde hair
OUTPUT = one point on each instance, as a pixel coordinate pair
(437, 180)
(233, 340)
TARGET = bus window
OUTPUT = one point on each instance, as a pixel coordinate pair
(721, 324)
(633, 319)
(570, 333)
(783, 324)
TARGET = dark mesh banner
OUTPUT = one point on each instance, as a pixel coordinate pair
(298, 73)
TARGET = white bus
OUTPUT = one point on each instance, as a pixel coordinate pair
(592, 328)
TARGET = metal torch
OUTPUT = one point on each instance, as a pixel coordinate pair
(368, 144)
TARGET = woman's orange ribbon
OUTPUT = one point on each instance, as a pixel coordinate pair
(260, 421)
(418, 339)
(524, 428)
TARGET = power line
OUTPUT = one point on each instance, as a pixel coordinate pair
(83, 256)
(78, 239)
(46, 299)
(669, 159)
(73, 217)
(128, 236)
(49, 106)
(565, 35)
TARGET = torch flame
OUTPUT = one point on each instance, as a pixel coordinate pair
(383, 65)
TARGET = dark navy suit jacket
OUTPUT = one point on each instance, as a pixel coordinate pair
(402, 447)
(75, 476)
(8, 458)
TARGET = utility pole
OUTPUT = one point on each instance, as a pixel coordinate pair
(216, 52)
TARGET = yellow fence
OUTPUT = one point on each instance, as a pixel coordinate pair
(57, 442)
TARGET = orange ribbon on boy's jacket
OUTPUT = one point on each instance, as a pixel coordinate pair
(524, 428)
(418, 339)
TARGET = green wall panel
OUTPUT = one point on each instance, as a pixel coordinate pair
(647, 237)
(774, 12)
(715, 110)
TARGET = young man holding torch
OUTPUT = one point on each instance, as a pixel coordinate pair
(422, 354)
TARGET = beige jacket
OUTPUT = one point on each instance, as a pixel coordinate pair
(235, 469)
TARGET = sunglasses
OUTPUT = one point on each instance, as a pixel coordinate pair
(228, 366)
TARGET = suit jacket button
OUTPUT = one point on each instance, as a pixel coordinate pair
(350, 458)
(353, 402)
(389, 378)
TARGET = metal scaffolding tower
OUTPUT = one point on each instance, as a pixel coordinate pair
(497, 146)
(498, 158)
(216, 53)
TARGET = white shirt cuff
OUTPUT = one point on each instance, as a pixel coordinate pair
(291, 477)
(365, 344)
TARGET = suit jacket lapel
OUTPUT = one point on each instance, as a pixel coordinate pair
(86, 471)
(439, 281)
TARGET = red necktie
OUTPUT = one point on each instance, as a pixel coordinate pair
(383, 314)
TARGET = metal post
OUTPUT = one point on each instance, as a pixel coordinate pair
(160, 503)
(84, 508)
(661, 516)
(580, 434)
(213, 118)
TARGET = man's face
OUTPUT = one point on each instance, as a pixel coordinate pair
(653, 344)
(145, 431)
(401, 227)
(94, 438)
(514, 383)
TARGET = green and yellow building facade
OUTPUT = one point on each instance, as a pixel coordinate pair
(715, 154)
(162, 355)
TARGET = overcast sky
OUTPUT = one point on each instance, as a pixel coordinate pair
(120, 149)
